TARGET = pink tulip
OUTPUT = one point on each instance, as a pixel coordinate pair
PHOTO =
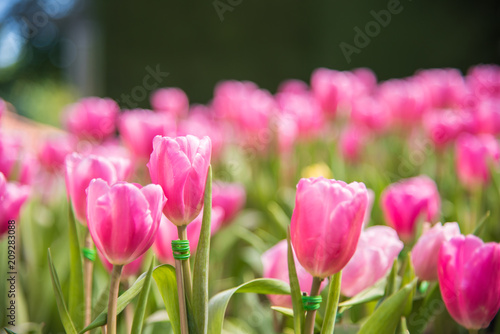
(446, 87)
(370, 113)
(92, 118)
(170, 100)
(377, 249)
(424, 253)
(332, 89)
(287, 133)
(304, 109)
(80, 170)
(129, 270)
(180, 166)
(409, 200)
(444, 126)
(352, 142)
(474, 154)
(53, 151)
(293, 86)
(117, 154)
(10, 152)
(326, 223)
(230, 197)
(275, 265)
(484, 80)
(12, 197)
(486, 114)
(168, 232)
(123, 219)
(469, 279)
(369, 207)
(139, 127)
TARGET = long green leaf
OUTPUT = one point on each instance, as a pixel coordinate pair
(332, 304)
(386, 317)
(408, 276)
(122, 302)
(76, 289)
(142, 303)
(166, 281)
(69, 327)
(370, 294)
(425, 310)
(218, 303)
(200, 273)
(298, 308)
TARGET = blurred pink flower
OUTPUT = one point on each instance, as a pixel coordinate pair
(352, 142)
(12, 197)
(332, 89)
(304, 110)
(170, 100)
(484, 80)
(444, 126)
(446, 86)
(230, 197)
(370, 113)
(53, 151)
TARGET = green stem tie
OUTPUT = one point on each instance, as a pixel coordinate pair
(180, 249)
(89, 253)
(311, 303)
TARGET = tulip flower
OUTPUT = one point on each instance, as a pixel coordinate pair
(168, 232)
(332, 89)
(370, 113)
(469, 279)
(131, 269)
(304, 109)
(484, 80)
(409, 200)
(377, 249)
(474, 154)
(139, 127)
(293, 86)
(446, 87)
(486, 115)
(230, 197)
(92, 118)
(424, 253)
(352, 142)
(10, 153)
(275, 265)
(170, 100)
(12, 197)
(53, 151)
(444, 126)
(326, 223)
(180, 166)
(80, 170)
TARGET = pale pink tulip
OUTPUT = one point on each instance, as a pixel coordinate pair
(172, 101)
(230, 197)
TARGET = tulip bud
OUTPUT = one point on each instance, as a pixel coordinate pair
(230, 197)
(469, 279)
(326, 223)
(12, 197)
(424, 253)
(123, 219)
(170, 100)
(52, 154)
(377, 249)
(180, 166)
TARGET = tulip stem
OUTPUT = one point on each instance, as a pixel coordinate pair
(473, 331)
(186, 268)
(311, 315)
(114, 286)
(182, 296)
(88, 266)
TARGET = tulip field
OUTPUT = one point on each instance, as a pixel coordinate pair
(340, 205)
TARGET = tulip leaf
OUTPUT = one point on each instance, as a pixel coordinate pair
(391, 286)
(481, 223)
(298, 307)
(218, 303)
(387, 316)
(280, 217)
(200, 273)
(76, 289)
(166, 281)
(332, 303)
(408, 276)
(372, 293)
(142, 303)
(424, 310)
(68, 324)
(122, 302)
(102, 302)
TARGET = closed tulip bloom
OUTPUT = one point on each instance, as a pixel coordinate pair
(172, 101)
(80, 170)
(131, 269)
(12, 197)
(180, 166)
(332, 89)
(304, 109)
(326, 223)
(92, 118)
(352, 142)
(486, 116)
(377, 249)
(275, 265)
(168, 232)
(424, 253)
(370, 113)
(469, 279)
(230, 197)
(53, 151)
(409, 200)
(123, 219)
(474, 154)
(444, 126)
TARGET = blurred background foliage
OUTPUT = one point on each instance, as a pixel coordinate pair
(54, 51)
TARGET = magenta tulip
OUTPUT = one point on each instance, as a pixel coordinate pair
(170, 100)
(332, 89)
(484, 80)
(326, 223)
(123, 219)
(424, 253)
(444, 126)
(377, 249)
(180, 166)
(275, 265)
(92, 118)
(406, 202)
(469, 279)
(131, 269)
(486, 115)
(12, 197)
(10, 153)
(370, 113)
(230, 197)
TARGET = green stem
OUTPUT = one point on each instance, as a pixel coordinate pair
(113, 297)
(88, 267)
(332, 304)
(186, 268)
(181, 297)
(473, 331)
(311, 315)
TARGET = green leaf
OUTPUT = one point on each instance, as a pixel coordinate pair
(424, 311)
(332, 304)
(408, 276)
(166, 281)
(8, 331)
(218, 303)
(480, 225)
(386, 317)
(200, 273)
(69, 327)
(102, 302)
(280, 217)
(76, 288)
(142, 303)
(370, 294)
(391, 286)
(122, 302)
(298, 307)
